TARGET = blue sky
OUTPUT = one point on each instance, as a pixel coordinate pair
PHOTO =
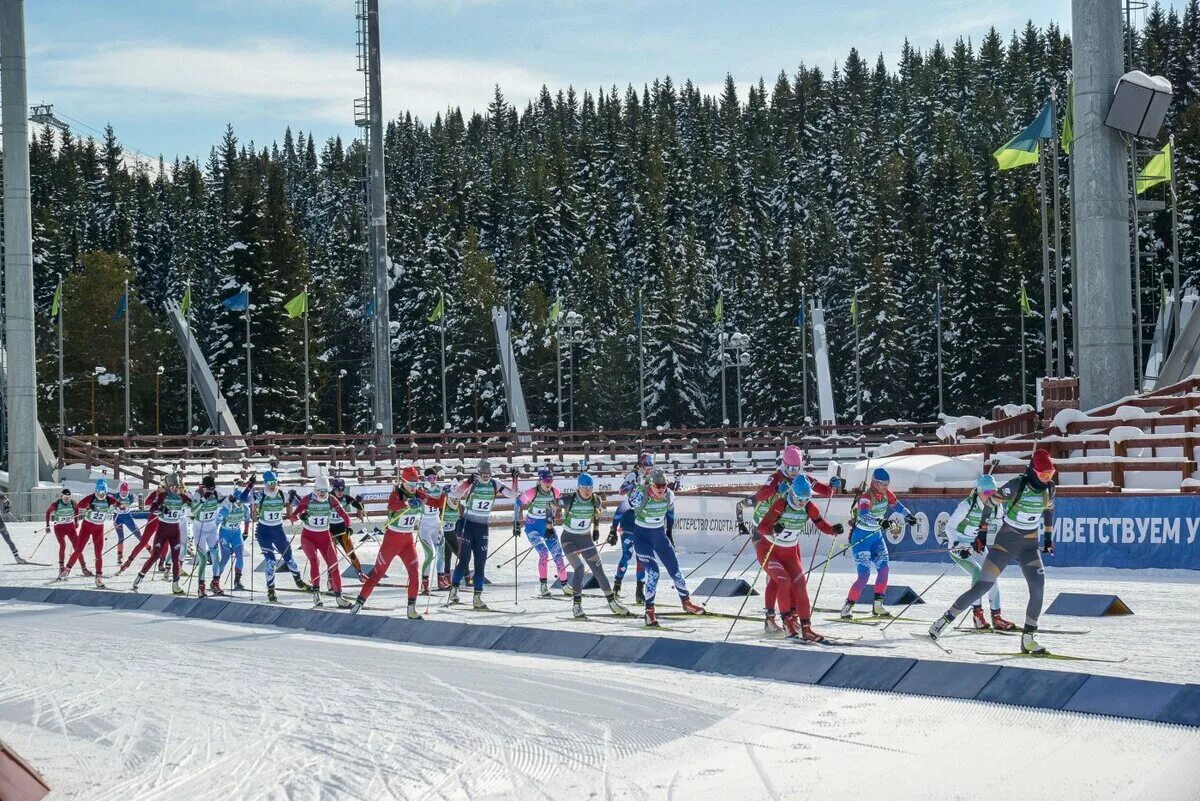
(169, 74)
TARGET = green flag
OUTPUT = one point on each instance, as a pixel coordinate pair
(1157, 170)
(297, 305)
(719, 309)
(1068, 129)
(555, 310)
(57, 302)
(1024, 302)
(185, 305)
(439, 311)
(854, 308)
(1023, 148)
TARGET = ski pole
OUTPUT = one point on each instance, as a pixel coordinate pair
(33, 553)
(825, 514)
(711, 555)
(741, 608)
(914, 600)
(736, 556)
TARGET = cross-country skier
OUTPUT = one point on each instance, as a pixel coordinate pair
(318, 509)
(623, 519)
(399, 539)
(63, 514)
(269, 508)
(581, 511)
(234, 523)
(340, 532)
(170, 507)
(6, 505)
(148, 533)
(778, 550)
(433, 500)
(1026, 533)
(478, 495)
(124, 519)
(966, 536)
(207, 534)
(653, 517)
(536, 503)
(451, 527)
(96, 510)
(867, 542)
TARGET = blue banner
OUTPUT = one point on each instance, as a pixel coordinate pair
(1117, 531)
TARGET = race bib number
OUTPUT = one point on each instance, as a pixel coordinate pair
(206, 516)
(407, 522)
(318, 521)
(1028, 519)
(482, 504)
(652, 521)
(271, 516)
(170, 515)
(579, 526)
(96, 516)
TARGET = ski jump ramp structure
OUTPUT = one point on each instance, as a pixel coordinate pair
(514, 397)
(214, 402)
(47, 459)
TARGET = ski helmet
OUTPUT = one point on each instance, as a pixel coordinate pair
(645, 459)
(65, 492)
(584, 481)
(101, 485)
(881, 475)
(545, 474)
(430, 473)
(270, 477)
(658, 478)
(171, 480)
(321, 484)
(792, 457)
(799, 492)
(985, 485)
(209, 481)
(410, 474)
(124, 487)
(338, 485)
(484, 468)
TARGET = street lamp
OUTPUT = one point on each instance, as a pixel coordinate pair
(570, 330)
(158, 401)
(97, 371)
(737, 344)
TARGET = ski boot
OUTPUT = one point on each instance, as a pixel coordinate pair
(577, 610)
(477, 603)
(237, 581)
(792, 626)
(808, 635)
(424, 585)
(978, 620)
(939, 626)
(1030, 645)
(62, 574)
(120, 555)
(316, 594)
(565, 586)
(136, 581)
(443, 580)
(215, 588)
(411, 611)
(124, 566)
(543, 590)
(300, 585)
(200, 593)
(452, 598)
(847, 612)
(616, 585)
(175, 588)
(1000, 624)
(357, 606)
(470, 580)
(650, 620)
(690, 606)
(771, 625)
(86, 573)
(362, 577)
(877, 609)
(19, 559)
(272, 598)
(616, 607)
(100, 583)
(341, 602)
(639, 595)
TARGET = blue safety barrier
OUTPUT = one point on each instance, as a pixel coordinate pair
(946, 679)
(435, 632)
(524, 640)
(1043, 689)
(670, 652)
(867, 672)
(1082, 604)
(208, 609)
(251, 613)
(620, 648)
(724, 588)
(1125, 698)
(1184, 708)
(482, 636)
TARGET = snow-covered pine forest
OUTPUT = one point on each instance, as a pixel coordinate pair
(872, 178)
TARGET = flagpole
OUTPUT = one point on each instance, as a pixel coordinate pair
(1058, 269)
(62, 414)
(128, 427)
(1048, 341)
(938, 331)
(1074, 271)
(558, 421)
(857, 368)
(1137, 268)
(307, 416)
(442, 333)
(1024, 376)
(249, 374)
(187, 323)
(641, 364)
(804, 353)
(1174, 243)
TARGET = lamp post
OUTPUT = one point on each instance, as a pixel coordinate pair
(97, 371)
(158, 401)
(737, 345)
(571, 329)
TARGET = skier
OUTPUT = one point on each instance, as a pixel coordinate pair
(6, 505)
(124, 519)
(478, 494)
(623, 518)
(778, 550)
(539, 528)
(170, 507)
(96, 509)
(340, 532)
(148, 532)
(63, 514)
(1028, 507)
(268, 509)
(966, 536)
(318, 509)
(581, 511)
(451, 526)
(399, 539)
(207, 534)
(868, 544)
(653, 518)
(430, 530)
(233, 520)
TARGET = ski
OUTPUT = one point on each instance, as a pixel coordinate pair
(549, 598)
(1062, 657)
(588, 619)
(723, 615)
(930, 640)
(840, 642)
(444, 608)
(856, 621)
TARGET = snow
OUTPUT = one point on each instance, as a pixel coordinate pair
(950, 427)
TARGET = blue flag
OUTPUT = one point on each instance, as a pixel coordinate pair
(637, 315)
(800, 316)
(369, 312)
(122, 304)
(238, 302)
(937, 308)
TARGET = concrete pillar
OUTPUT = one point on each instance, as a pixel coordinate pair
(1101, 197)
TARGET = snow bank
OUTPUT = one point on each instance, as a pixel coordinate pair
(919, 470)
(950, 427)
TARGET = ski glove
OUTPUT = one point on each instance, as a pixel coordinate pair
(777, 528)
(837, 483)
(551, 533)
(980, 542)
(516, 528)
(1048, 542)
(910, 519)
(743, 529)
(612, 536)
(781, 487)
(595, 536)
(837, 529)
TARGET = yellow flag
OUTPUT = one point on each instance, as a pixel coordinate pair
(1157, 170)
(297, 305)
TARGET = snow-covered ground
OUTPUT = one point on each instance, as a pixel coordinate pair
(139, 706)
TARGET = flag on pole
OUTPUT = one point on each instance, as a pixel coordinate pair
(239, 302)
(121, 306)
(1157, 170)
(637, 314)
(1023, 149)
(369, 312)
(800, 316)
(297, 305)
(719, 309)
(854, 308)
(439, 311)
(56, 304)
(555, 310)
(1026, 309)
(937, 308)
(185, 305)
(1068, 129)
